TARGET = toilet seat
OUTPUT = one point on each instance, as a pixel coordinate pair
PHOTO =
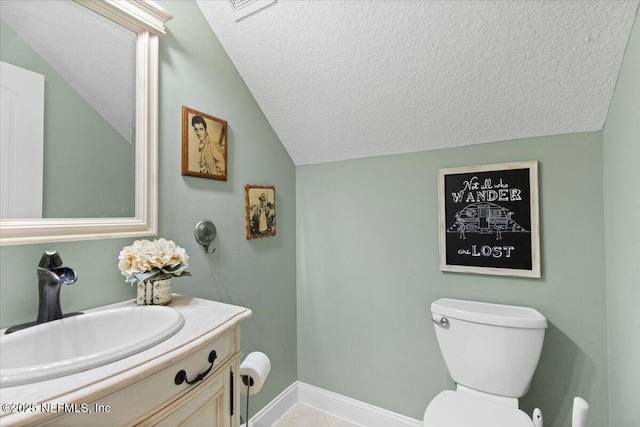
(459, 409)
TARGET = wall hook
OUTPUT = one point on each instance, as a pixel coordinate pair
(205, 232)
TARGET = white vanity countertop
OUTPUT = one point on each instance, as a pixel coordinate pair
(204, 320)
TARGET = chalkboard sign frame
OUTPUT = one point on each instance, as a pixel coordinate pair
(489, 219)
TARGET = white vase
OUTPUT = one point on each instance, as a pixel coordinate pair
(154, 291)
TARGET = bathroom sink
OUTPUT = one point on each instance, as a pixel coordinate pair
(82, 342)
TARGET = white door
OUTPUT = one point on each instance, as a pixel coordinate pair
(22, 142)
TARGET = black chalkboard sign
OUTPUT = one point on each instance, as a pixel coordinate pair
(489, 219)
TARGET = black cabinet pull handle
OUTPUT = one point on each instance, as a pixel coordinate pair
(181, 376)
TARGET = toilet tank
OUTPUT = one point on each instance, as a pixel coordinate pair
(492, 348)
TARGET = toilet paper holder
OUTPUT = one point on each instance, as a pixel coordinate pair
(254, 371)
(248, 381)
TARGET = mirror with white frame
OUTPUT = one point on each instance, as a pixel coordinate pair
(126, 201)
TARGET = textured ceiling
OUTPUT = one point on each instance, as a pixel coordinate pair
(351, 79)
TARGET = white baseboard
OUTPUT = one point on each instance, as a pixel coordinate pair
(276, 409)
(334, 404)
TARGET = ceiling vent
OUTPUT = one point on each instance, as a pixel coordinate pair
(244, 8)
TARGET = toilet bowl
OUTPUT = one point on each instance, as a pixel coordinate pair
(491, 352)
(459, 409)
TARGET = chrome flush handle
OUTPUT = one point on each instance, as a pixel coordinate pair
(442, 322)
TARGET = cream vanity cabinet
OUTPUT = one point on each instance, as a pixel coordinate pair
(158, 400)
(191, 379)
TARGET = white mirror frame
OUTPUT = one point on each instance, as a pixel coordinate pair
(147, 20)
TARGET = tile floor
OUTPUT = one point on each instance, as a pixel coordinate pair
(305, 416)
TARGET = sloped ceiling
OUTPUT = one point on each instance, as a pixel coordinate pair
(352, 79)
(94, 55)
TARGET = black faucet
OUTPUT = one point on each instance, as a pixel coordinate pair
(52, 274)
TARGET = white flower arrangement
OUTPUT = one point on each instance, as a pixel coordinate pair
(146, 259)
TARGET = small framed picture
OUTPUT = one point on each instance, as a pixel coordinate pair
(204, 145)
(488, 219)
(261, 211)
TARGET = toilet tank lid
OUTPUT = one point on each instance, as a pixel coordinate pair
(489, 313)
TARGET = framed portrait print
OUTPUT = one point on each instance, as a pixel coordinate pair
(261, 211)
(204, 145)
(488, 219)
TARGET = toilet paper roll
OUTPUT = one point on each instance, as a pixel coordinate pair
(256, 366)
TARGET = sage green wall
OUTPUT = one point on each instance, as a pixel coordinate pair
(367, 253)
(258, 274)
(78, 141)
(621, 141)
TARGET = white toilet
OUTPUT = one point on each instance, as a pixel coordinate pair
(491, 352)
